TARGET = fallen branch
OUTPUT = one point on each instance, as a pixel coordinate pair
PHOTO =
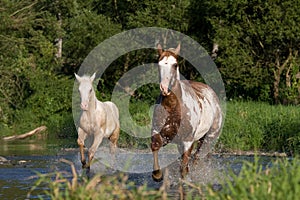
(25, 135)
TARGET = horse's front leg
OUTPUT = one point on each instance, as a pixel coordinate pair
(80, 142)
(156, 143)
(98, 137)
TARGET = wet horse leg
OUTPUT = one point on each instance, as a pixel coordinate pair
(156, 144)
(98, 137)
(113, 144)
(113, 138)
(196, 154)
(184, 168)
(80, 142)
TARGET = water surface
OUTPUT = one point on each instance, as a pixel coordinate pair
(26, 159)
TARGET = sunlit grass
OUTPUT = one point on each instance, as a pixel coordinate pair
(249, 126)
(279, 181)
(260, 126)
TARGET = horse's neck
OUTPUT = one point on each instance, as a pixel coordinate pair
(172, 101)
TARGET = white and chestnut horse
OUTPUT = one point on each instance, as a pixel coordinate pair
(186, 112)
(98, 119)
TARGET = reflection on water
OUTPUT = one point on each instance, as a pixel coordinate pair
(18, 175)
(25, 160)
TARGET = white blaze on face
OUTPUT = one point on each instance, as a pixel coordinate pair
(165, 73)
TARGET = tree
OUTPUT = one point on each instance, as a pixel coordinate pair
(30, 70)
(258, 42)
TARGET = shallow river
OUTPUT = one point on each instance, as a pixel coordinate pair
(26, 159)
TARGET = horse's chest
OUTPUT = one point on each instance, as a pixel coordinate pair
(88, 124)
(180, 124)
(170, 128)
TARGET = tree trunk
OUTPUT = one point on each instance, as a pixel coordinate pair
(59, 40)
(277, 73)
(25, 135)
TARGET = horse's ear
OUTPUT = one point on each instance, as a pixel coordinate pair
(177, 50)
(159, 49)
(93, 77)
(77, 77)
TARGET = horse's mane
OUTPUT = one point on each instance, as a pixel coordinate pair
(167, 53)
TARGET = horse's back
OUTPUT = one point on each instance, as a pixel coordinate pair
(203, 91)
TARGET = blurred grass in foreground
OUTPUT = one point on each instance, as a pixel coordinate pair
(280, 180)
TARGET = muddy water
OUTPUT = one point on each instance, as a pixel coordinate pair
(26, 159)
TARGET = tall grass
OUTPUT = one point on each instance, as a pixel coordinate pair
(58, 187)
(248, 126)
(260, 126)
(281, 180)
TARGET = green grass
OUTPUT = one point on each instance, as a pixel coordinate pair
(249, 126)
(262, 127)
(279, 181)
(98, 187)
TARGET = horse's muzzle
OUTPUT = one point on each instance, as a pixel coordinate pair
(164, 88)
(84, 106)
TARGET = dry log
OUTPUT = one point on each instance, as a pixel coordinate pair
(25, 135)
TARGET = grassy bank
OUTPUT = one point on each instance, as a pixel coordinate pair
(262, 127)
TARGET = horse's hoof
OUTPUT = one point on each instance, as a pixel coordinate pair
(85, 166)
(157, 175)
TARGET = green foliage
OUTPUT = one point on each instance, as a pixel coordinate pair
(168, 14)
(258, 57)
(84, 31)
(255, 39)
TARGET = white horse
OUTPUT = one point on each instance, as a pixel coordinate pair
(98, 119)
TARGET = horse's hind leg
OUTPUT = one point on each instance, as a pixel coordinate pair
(196, 154)
(184, 168)
(206, 144)
(114, 140)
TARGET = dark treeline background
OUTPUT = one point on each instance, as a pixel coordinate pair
(43, 42)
